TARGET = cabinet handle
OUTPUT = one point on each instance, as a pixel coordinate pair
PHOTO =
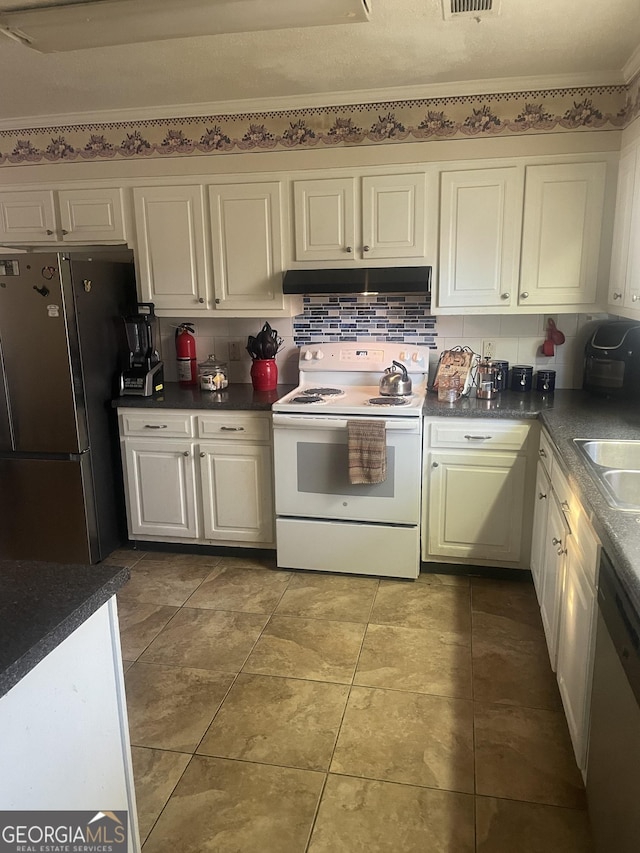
(201, 300)
(155, 426)
(617, 296)
(556, 541)
(49, 232)
(231, 429)
(478, 437)
(366, 249)
(505, 295)
(541, 496)
(186, 453)
(202, 454)
(524, 295)
(349, 249)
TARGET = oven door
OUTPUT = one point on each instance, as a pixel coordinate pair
(312, 471)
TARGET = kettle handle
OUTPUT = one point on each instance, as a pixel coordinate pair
(405, 375)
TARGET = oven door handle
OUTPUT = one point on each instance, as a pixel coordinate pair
(320, 422)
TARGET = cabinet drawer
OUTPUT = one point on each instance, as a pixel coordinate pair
(160, 424)
(479, 435)
(235, 426)
(545, 452)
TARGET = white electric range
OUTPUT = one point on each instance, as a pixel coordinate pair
(323, 521)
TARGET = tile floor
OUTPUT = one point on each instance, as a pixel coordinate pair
(285, 712)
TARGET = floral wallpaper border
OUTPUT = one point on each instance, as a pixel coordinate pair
(535, 112)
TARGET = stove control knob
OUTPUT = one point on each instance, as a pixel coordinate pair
(403, 356)
(319, 354)
(308, 355)
(416, 357)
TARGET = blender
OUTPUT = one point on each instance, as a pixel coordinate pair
(145, 374)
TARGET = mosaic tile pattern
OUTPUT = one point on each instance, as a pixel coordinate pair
(507, 114)
(404, 319)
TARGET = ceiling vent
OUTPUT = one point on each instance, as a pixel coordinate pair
(74, 25)
(470, 8)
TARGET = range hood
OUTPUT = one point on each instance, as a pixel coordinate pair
(358, 280)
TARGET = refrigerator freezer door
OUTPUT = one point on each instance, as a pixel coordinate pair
(36, 319)
(46, 511)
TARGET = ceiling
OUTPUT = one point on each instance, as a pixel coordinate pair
(406, 49)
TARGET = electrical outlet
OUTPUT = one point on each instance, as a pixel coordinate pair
(234, 350)
(488, 349)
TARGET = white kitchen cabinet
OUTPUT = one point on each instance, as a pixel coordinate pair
(624, 287)
(480, 213)
(552, 571)
(539, 532)
(475, 495)
(561, 233)
(361, 219)
(64, 216)
(172, 258)
(246, 226)
(198, 477)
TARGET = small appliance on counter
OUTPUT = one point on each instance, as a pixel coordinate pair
(488, 374)
(612, 359)
(144, 375)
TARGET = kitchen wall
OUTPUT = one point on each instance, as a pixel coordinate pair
(518, 338)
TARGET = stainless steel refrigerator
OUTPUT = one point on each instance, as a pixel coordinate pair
(61, 345)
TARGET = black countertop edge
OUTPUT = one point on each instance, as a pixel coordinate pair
(237, 397)
(42, 604)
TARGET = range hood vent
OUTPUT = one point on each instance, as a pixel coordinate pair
(470, 8)
(50, 27)
(361, 280)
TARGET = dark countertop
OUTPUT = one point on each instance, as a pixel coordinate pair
(238, 396)
(41, 604)
(508, 404)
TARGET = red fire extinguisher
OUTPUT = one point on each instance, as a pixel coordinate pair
(186, 355)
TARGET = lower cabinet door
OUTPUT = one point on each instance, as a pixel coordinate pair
(555, 549)
(160, 488)
(539, 535)
(476, 504)
(575, 651)
(237, 492)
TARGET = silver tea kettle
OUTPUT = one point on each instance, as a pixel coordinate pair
(395, 382)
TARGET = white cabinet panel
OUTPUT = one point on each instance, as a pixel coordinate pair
(621, 251)
(324, 219)
(480, 237)
(247, 245)
(172, 262)
(555, 548)
(393, 216)
(87, 216)
(562, 223)
(27, 216)
(543, 498)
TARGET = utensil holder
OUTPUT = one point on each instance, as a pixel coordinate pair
(264, 374)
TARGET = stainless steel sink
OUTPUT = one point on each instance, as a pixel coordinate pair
(615, 466)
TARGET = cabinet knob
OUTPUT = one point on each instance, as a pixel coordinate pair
(541, 496)
(49, 232)
(524, 295)
(201, 300)
(565, 506)
(202, 454)
(542, 453)
(64, 232)
(556, 541)
(617, 296)
(217, 301)
(349, 249)
(366, 248)
(435, 464)
(561, 551)
(505, 295)
(185, 453)
(635, 297)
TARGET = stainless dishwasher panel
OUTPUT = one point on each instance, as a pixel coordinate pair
(613, 767)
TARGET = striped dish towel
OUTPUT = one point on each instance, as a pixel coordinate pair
(367, 451)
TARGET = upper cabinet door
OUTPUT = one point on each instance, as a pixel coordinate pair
(393, 216)
(172, 262)
(27, 217)
(91, 215)
(632, 293)
(562, 225)
(480, 218)
(247, 246)
(325, 227)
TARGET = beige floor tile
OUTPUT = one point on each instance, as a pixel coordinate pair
(124, 557)
(140, 624)
(156, 774)
(506, 598)
(278, 721)
(222, 806)
(505, 826)
(171, 707)
(249, 561)
(319, 649)
(407, 737)
(127, 664)
(164, 583)
(358, 815)
(510, 663)
(241, 588)
(526, 754)
(178, 559)
(206, 639)
(419, 605)
(320, 596)
(435, 579)
(429, 661)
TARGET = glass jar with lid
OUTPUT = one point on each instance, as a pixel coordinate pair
(214, 374)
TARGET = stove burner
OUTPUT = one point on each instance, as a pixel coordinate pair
(303, 400)
(324, 392)
(387, 401)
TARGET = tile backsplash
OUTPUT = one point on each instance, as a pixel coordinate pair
(518, 337)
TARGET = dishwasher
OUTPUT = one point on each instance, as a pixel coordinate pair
(613, 765)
